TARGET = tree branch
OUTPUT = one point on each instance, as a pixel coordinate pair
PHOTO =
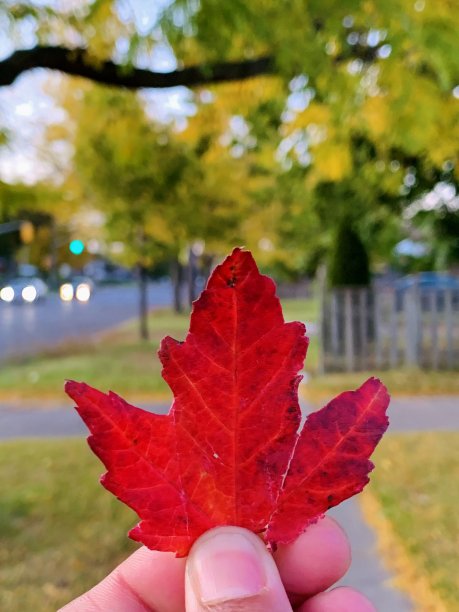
(77, 62)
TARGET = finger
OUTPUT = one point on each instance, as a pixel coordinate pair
(230, 569)
(342, 599)
(147, 580)
(315, 561)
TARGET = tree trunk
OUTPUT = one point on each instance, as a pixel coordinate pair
(191, 276)
(143, 302)
(53, 271)
(176, 277)
(208, 264)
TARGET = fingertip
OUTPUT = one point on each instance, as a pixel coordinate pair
(230, 568)
(341, 599)
(315, 560)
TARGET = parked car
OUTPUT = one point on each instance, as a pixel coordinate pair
(428, 284)
(78, 288)
(24, 290)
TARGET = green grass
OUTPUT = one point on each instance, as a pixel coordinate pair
(403, 381)
(116, 360)
(60, 532)
(416, 482)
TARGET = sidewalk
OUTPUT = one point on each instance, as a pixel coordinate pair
(436, 413)
(367, 572)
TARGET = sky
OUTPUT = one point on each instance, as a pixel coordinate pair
(26, 110)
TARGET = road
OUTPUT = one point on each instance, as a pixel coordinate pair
(28, 328)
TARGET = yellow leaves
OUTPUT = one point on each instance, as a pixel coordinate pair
(447, 133)
(229, 99)
(331, 157)
(259, 229)
(315, 113)
(58, 131)
(332, 161)
(159, 229)
(376, 115)
(104, 31)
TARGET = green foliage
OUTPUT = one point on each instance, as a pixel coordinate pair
(349, 265)
(440, 228)
(375, 108)
(23, 202)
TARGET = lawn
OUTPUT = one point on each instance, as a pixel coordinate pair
(116, 360)
(416, 485)
(61, 532)
(402, 381)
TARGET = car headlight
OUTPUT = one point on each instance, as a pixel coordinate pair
(7, 294)
(29, 294)
(66, 292)
(83, 292)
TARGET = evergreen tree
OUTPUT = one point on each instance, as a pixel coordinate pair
(349, 265)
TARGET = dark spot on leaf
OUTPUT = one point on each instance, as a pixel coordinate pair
(231, 282)
(291, 409)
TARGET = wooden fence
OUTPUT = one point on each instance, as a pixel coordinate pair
(386, 327)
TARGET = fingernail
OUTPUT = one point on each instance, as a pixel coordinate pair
(226, 567)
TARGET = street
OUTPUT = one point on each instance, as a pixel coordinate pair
(28, 328)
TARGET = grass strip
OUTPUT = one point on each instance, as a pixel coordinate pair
(400, 382)
(415, 486)
(115, 360)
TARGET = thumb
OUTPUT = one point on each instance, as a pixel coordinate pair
(229, 568)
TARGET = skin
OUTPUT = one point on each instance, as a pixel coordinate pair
(229, 569)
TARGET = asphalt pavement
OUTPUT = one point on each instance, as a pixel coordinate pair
(28, 328)
(438, 413)
(367, 573)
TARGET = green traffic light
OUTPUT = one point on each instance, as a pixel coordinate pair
(76, 247)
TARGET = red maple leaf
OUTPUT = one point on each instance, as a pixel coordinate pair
(228, 452)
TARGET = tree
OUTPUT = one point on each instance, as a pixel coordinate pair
(349, 266)
(132, 170)
(356, 79)
(384, 69)
(25, 203)
(160, 191)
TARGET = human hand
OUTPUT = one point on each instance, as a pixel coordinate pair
(229, 569)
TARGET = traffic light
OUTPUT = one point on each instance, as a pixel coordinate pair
(26, 232)
(76, 247)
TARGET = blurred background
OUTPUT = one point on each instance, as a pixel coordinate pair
(140, 141)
